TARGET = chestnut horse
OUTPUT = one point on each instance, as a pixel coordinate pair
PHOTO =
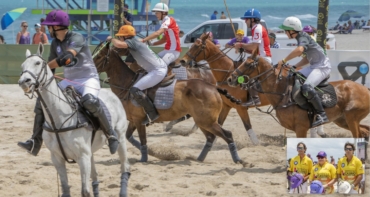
(222, 67)
(195, 97)
(352, 98)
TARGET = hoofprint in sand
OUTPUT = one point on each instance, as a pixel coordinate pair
(176, 173)
(173, 172)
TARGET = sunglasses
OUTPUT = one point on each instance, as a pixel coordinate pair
(349, 149)
(300, 148)
(320, 157)
(25, 26)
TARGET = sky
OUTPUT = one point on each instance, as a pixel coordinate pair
(332, 146)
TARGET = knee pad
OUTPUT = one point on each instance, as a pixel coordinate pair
(90, 102)
(308, 91)
(137, 93)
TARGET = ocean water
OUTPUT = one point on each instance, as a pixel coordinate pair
(190, 13)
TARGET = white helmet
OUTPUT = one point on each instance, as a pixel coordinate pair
(291, 23)
(160, 7)
(344, 187)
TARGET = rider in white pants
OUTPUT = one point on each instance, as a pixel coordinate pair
(319, 66)
(170, 29)
(148, 60)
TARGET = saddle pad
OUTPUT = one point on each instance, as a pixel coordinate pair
(180, 72)
(163, 97)
(328, 96)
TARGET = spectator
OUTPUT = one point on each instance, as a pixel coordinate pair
(363, 23)
(181, 34)
(39, 36)
(128, 19)
(43, 29)
(332, 160)
(23, 37)
(308, 29)
(324, 173)
(273, 43)
(336, 27)
(2, 40)
(239, 38)
(368, 23)
(356, 24)
(222, 15)
(214, 15)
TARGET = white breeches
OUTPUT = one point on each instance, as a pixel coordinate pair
(169, 56)
(151, 79)
(302, 189)
(315, 75)
(83, 86)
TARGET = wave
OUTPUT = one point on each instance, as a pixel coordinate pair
(306, 17)
(273, 17)
(206, 15)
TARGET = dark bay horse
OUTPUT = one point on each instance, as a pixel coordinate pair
(353, 99)
(222, 67)
(195, 97)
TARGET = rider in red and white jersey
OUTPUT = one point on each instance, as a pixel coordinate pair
(170, 29)
(261, 40)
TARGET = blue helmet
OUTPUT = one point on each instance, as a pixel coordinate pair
(252, 13)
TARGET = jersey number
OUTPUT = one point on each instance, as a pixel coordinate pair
(258, 36)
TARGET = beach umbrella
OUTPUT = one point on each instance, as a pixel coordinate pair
(350, 14)
(9, 17)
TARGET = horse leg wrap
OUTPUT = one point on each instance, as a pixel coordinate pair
(134, 142)
(207, 147)
(144, 153)
(95, 186)
(124, 182)
(253, 137)
(313, 132)
(234, 152)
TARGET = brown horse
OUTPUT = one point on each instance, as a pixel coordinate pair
(195, 97)
(352, 98)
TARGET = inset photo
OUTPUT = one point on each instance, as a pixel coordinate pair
(326, 165)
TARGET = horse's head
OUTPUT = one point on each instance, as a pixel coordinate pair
(201, 49)
(101, 56)
(248, 69)
(35, 72)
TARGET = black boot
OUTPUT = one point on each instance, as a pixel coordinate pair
(321, 117)
(34, 144)
(253, 98)
(92, 104)
(147, 104)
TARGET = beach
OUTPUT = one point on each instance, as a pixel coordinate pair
(264, 174)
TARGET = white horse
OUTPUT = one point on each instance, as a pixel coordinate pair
(60, 115)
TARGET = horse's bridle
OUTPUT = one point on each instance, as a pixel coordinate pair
(201, 49)
(39, 83)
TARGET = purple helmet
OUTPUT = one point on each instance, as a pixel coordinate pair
(316, 187)
(296, 180)
(307, 29)
(57, 17)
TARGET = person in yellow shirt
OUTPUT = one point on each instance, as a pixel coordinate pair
(324, 172)
(300, 164)
(350, 168)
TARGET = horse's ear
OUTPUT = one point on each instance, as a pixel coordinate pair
(255, 52)
(205, 37)
(28, 53)
(40, 49)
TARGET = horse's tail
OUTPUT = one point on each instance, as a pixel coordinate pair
(227, 95)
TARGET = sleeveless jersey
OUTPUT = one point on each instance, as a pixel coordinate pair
(171, 33)
(260, 35)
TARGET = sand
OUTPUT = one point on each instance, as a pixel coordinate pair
(264, 175)
(358, 40)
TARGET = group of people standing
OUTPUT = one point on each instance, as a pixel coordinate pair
(24, 36)
(321, 177)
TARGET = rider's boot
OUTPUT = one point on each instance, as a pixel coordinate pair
(146, 103)
(321, 117)
(92, 104)
(309, 92)
(34, 144)
(253, 99)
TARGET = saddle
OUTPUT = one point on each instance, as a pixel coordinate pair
(85, 117)
(325, 91)
(168, 80)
